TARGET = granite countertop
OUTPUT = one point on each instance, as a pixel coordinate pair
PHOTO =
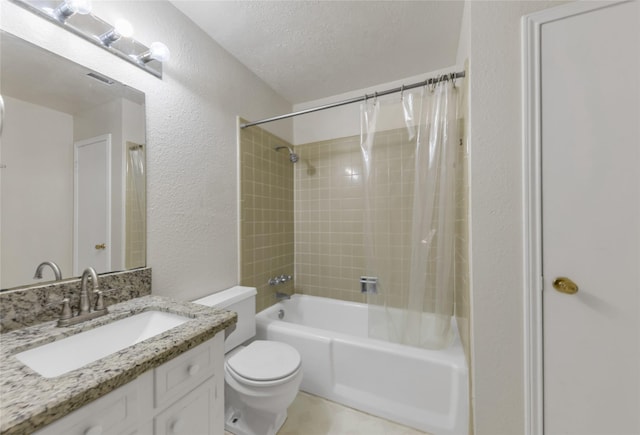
(29, 401)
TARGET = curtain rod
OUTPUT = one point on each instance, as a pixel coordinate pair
(450, 76)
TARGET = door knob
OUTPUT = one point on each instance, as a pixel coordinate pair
(565, 285)
(101, 246)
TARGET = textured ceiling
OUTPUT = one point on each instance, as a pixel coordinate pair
(306, 50)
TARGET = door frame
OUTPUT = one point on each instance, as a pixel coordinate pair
(532, 202)
(76, 145)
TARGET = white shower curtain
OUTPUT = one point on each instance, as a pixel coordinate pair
(136, 199)
(409, 153)
(136, 172)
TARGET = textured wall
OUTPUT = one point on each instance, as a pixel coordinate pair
(266, 214)
(496, 214)
(191, 136)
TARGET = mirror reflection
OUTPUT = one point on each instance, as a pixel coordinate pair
(72, 168)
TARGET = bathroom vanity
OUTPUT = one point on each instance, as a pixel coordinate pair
(170, 383)
(182, 396)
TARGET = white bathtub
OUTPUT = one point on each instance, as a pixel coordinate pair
(424, 389)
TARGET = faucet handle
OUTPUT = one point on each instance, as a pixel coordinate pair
(99, 301)
(66, 309)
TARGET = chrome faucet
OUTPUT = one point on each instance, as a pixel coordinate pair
(280, 279)
(281, 296)
(86, 309)
(85, 299)
(52, 265)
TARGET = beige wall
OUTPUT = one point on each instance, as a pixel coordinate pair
(328, 215)
(329, 218)
(266, 214)
(329, 207)
(496, 214)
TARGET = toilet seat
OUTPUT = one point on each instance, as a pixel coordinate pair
(264, 362)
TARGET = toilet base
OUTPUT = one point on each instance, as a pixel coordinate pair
(253, 423)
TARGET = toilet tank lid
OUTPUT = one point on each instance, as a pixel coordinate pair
(224, 298)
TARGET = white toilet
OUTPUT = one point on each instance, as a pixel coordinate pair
(262, 378)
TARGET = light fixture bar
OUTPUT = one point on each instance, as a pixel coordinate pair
(153, 66)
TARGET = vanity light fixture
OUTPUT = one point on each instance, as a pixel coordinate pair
(71, 7)
(75, 16)
(157, 51)
(122, 29)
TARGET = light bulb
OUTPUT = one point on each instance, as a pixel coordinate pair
(70, 7)
(159, 52)
(123, 28)
(82, 7)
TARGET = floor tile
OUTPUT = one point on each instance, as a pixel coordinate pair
(312, 415)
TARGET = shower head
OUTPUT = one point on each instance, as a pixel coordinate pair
(293, 157)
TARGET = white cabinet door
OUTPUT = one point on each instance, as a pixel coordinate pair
(590, 73)
(191, 415)
(113, 414)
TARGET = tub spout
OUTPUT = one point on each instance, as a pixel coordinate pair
(281, 296)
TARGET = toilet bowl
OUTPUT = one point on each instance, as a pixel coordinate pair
(262, 378)
(261, 381)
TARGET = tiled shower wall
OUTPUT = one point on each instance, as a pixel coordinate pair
(329, 216)
(329, 224)
(266, 214)
(329, 220)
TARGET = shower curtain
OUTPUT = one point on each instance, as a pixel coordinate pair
(409, 153)
(135, 252)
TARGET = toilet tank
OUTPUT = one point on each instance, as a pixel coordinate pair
(242, 300)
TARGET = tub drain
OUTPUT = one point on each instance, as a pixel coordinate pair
(281, 314)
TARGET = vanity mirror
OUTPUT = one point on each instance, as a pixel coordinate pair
(72, 168)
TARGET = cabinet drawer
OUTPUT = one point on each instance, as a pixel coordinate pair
(191, 415)
(110, 414)
(184, 373)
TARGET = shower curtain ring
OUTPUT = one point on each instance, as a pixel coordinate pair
(402, 93)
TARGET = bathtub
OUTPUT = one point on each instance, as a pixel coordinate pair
(423, 389)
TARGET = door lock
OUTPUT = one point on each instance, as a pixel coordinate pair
(101, 246)
(565, 285)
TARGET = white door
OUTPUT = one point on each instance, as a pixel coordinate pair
(92, 205)
(590, 74)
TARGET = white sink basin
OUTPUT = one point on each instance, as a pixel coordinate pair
(62, 356)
